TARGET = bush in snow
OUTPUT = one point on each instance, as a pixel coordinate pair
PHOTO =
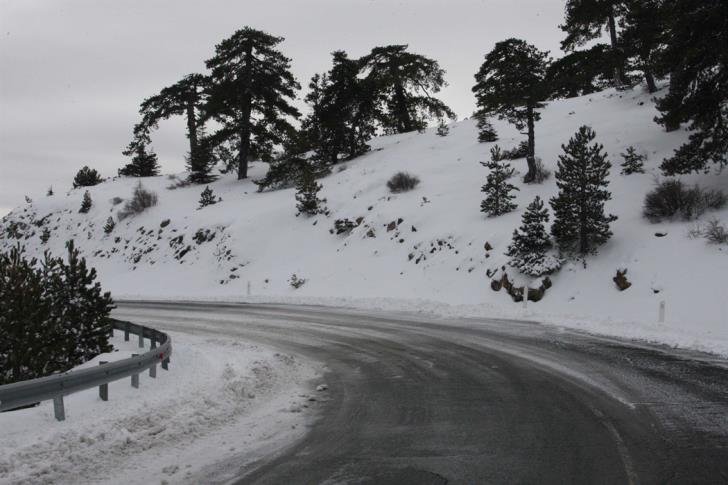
(713, 231)
(517, 153)
(633, 162)
(296, 282)
(486, 131)
(86, 203)
(86, 177)
(344, 226)
(531, 243)
(442, 129)
(498, 198)
(540, 173)
(45, 235)
(54, 315)
(109, 226)
(140, 201)
(50, 191)
(307, 200)
(207, 197)
(402, 182)
(672, 199)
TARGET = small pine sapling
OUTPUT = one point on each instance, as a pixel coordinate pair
(531, 243)
(486, 131)
(307, 189)
(633, 162)
(207, 197)
(86, 203)
(50, 191)
(109, 226)
(45, 235)
(498, 199)
(442, 129)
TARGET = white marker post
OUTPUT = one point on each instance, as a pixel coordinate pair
(525, 297)
(248, 288)
(662, 312)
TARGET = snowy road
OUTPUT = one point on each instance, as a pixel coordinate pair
(417, 400)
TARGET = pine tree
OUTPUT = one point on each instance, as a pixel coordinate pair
(512, 84)
(143, 163)
(580, 224)
(405, 86)
(86, 177)
(50, 191)
(343, 108)
(486, 131)
(251, 87)
(109, 226)
(442, 129)
(697, 61)
(208, 197)
(184, 98)
(581, 72)
(86, 203)
(307, 189)
(644, 26)
(498, 198)
(585, 20)
(633, 162)
(45, 235)
(529, 249)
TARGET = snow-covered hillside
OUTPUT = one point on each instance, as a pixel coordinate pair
(249, 245)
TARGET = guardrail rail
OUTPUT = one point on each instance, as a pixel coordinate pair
(33, 391)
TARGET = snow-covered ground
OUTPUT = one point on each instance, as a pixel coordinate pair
(221, 400)
(248, 246)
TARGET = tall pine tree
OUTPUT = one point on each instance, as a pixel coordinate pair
(498, 197)
(406, 84)
(697, 60)
(531, 243)
(251, 87)
(512, 84)
(580, 224)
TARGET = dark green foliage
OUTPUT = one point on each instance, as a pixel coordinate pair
(530, 245)
(673, 199)
(86, 203)
(307, 189)
(633, 162)
(86, 177)
(516, 153)
(207, 197)
(287, 170)
(498, 196)
(512, 84)
(486, 131)
(53, 315)
(143, 163)
(696, 57)
(580, 224)
(404, 85)
(442, 129)
(585, 20)
(402, 182)
(644, 26)
(581, 72)
(109, 226)
(140, 201)
(343, 109)
(251, 87)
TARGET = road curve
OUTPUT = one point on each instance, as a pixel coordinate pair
(415, 400)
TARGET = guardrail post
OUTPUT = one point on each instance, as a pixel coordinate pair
(135, 377)
(58, 410)
(153, 370)
(126, 331)
(165, 363)
(104, 388)
(141, 338)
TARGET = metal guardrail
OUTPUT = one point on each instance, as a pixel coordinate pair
(54, 387)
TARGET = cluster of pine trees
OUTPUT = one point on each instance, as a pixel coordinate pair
(54, 314)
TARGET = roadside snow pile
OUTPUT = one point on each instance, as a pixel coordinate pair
(220, 399)
(430, 244)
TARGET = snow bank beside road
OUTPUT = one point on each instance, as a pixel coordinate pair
(220, 399)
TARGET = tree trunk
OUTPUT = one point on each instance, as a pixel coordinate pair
(672, 122)
(403, 118)
(192, 131)
(531, 156)
(650, 78)
(619, 68)
(246, 110)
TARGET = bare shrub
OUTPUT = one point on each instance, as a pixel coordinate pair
(713, 231)
(672, 199)
(541, 173)
(140, 201)
(402, 182)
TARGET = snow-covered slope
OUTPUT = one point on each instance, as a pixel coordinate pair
(249, 245)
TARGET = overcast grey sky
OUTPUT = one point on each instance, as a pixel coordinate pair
(72, 72)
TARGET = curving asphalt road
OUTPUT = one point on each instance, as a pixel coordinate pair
(424, 401)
